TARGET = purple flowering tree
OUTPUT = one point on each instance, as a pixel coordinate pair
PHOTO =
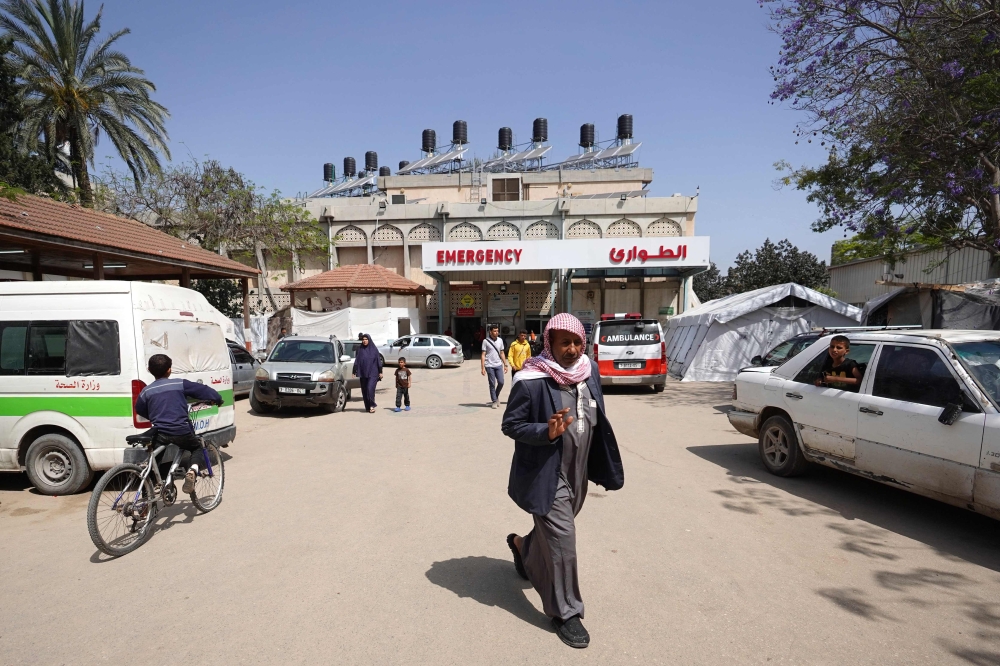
(906, 96)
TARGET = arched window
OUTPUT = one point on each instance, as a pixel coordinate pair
(425, 233)
(583, 229)
(387, 235)
(503, 231)
(624, 227)
(465, 232)
(350, 235)
(664, 227)
(541, 231)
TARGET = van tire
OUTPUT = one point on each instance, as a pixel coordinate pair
(57, 466)
(258, 406)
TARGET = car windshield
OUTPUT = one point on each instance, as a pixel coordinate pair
(982, 359)
(302, 351)
(786, 351)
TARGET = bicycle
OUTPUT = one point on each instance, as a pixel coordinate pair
(125, 501)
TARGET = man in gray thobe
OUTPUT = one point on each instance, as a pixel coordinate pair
(556, 416)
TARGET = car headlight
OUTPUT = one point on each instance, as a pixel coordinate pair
(327, 376)
(261, 374)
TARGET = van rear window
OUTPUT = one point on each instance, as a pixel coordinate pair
(629, 333)
(193, 346)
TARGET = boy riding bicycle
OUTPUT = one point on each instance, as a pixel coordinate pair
(165, 404)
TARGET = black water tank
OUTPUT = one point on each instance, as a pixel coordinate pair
(403, 163)
(371, 161)
(587, 135)
(505, 138)
(329, 175)
(540, 130)
(384, 171)
(429, 141)
(460, 133)
(625, 126)
(350, 167)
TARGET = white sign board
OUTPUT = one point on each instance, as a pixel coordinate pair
(504, 305)
(657, 252)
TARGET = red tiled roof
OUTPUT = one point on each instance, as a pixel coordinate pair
(360, 277)
(58, 220)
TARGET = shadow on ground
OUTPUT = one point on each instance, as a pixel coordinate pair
(952, 532)
(489, 581)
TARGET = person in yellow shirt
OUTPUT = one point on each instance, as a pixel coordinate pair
(519, 352)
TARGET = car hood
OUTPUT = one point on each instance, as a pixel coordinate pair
(311, 368)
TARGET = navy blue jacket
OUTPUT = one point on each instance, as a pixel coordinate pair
(164, 403)
(534, 471)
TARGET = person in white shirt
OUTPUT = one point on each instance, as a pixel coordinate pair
(494, 363)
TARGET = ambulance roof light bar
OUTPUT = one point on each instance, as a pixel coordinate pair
(621, 315)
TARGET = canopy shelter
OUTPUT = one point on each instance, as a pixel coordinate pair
(358, 279)
(710, 343)
(973, 306)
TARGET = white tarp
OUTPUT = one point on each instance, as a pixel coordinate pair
(193, 346)
(710, 343)
(258, 332)
(380, 323)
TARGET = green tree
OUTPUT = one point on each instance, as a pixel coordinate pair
(20, 171)
(776, 264)
(75, 87)
(710, 285)
(224, 295)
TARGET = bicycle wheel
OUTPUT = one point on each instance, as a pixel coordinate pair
(121, 511)
(211, 478)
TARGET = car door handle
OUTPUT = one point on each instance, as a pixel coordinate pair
(793, 395)
(873, 412)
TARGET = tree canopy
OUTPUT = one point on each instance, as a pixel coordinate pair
(75, 86)
(905, 95)
(768, 265)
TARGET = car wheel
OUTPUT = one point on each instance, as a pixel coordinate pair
(259, 407)
(434, 362)
(349, 397)
(779, 448)
(340, 402)
(56, 465)
(382, 359)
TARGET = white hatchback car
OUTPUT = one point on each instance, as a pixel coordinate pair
(925, 417)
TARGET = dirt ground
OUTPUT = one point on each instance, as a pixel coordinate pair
(355, 538)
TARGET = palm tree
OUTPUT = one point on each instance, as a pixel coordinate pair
(74, 90)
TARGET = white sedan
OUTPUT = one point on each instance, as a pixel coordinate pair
(925, 416)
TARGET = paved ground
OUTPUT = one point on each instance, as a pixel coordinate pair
(357, 538)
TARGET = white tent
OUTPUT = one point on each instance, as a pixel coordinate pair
(380, 323)
(710, 343)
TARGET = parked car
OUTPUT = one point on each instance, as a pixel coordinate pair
(630, 351)
(925, 417)
(434, 351)
(791, 347)
(244, 367)
(302, 372)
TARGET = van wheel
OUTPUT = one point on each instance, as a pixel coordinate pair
(779, 448)
(259, 407)
(56, 465)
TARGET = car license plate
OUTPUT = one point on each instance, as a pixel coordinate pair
(630, 366)
(289, 389)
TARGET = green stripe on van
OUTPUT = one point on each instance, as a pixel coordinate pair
(227, 397)
(83, 405)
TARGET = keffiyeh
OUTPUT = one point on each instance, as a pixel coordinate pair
(545, 365)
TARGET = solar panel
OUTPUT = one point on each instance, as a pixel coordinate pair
(419, 164)
(322, 192)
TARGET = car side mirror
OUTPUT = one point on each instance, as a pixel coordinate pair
(757, 360)
(950, 413)
(344, 358)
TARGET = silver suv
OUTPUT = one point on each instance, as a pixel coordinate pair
(302, 372)
(434, 351)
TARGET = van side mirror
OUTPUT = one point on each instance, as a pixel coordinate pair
(757, 360)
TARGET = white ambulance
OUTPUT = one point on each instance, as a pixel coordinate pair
(630, 350)
(73, 359)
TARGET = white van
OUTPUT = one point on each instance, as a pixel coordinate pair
(73, 359)
(630, 350)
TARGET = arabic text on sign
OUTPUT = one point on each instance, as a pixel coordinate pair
(619, 255)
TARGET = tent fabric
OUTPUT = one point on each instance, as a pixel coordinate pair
(258, 332)
(712, 342)
(380, 323)
(969, 311)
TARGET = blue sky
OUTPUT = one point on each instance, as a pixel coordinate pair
(277, 89)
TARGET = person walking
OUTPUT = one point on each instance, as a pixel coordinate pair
(536, 344)
(494, 363)
(403, 380)
(556, 417)
(520, 351)
(368, 368)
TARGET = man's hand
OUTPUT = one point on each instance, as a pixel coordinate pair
(380, 375)
(558, 423)
(484, 371)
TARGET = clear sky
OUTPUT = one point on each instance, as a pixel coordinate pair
(275, 89)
